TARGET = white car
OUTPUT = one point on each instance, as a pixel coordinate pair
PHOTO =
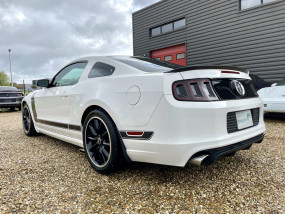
(145, 110)
(274, 97)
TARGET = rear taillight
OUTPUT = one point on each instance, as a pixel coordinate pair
(180, 91)
(253, 89)
(194, 90)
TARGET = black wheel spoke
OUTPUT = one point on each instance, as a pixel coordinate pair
(100, 126)
(92, 138)
(92, 130)
(104, 134)
(96, 125)
(105, 152)
(105, 143)
(102, 155)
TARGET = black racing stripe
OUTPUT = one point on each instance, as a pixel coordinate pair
(60, 125)
(145, 136)
(75, 128)
(34, 108)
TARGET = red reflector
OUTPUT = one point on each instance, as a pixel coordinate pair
(229, 72)
(134, 133)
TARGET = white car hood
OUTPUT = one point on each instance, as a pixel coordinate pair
(272, 92)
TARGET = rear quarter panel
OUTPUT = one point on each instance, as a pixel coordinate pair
(110, 93)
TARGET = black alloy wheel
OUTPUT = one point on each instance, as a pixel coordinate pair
(98, 141)
(101, 142)
(27, 120)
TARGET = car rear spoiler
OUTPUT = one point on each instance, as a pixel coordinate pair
(192, 68)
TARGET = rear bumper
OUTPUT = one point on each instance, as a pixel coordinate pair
(8, 102)
(183, 129)
(9, 105)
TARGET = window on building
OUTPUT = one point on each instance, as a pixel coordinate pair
(168, 58)
(245, 4)
(167, 28)
(268, 1)
(177, 24)
(157, 58)
(180, 56)
(156, 31)
(101, 69)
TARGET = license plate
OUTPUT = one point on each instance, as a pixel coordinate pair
(244, 119)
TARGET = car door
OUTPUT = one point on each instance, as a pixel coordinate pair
(52, 103)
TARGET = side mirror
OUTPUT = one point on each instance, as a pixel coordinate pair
(43, 83)
(274, 84)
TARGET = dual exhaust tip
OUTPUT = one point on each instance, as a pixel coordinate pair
(200, 160)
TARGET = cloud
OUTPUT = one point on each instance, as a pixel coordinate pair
(46, 35)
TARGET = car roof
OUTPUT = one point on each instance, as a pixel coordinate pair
(8, 88)
(101, 57)
(138, 63)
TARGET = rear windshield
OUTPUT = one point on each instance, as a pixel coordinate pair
(4, 88)
(282, 82)
(147, 64)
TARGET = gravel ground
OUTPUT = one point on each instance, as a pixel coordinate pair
(44, 175)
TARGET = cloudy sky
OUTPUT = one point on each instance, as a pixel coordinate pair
(44, 35)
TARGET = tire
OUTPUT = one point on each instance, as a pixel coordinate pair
(101, 142)
(27, 121)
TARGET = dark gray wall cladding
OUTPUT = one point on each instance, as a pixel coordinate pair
(218, 33)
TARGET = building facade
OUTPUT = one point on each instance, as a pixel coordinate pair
(244, 33)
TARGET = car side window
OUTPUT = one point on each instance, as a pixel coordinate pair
(101, 69)
(70, 75)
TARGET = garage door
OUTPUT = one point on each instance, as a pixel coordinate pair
(174, 54)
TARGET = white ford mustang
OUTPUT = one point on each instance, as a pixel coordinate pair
(141, 109)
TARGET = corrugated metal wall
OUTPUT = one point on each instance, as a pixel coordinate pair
(218, 33)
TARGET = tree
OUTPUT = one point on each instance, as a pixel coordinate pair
(4, 79)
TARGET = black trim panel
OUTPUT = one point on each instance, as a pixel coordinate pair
(60, 125)
(145, 136)
(34, 108)
(215, 153)
(75, 128)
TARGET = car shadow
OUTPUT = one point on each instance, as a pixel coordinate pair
(137, 172)
(7, 110)
(163, 174)
(275, 116)
(155, 172)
